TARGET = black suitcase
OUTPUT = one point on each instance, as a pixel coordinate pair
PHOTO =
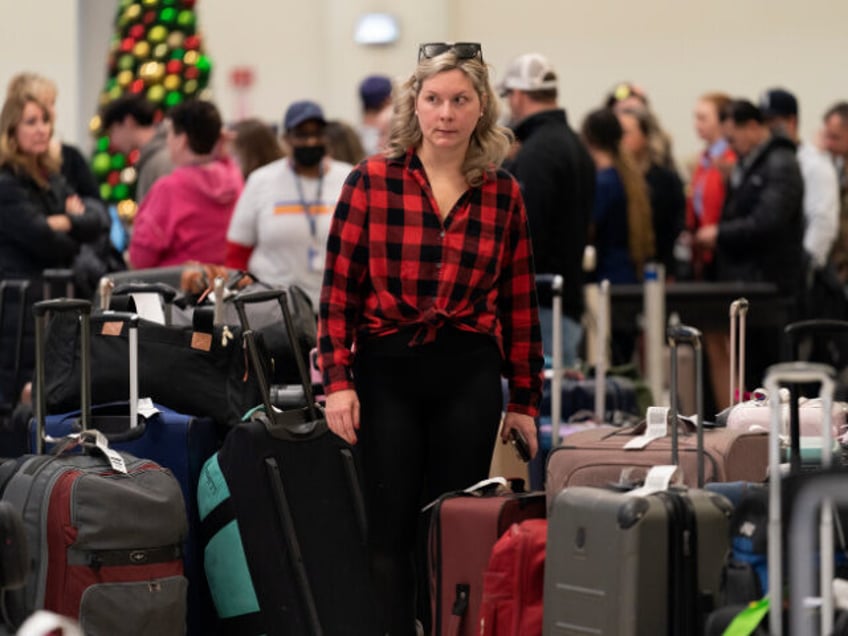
(284, 520)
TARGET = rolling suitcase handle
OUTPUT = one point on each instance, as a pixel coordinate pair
(40, 310)
(131, 321)
(738, 313)
(814, 496)
(244, 298)
(793, 333)
(556, 282)
(677, 335)
(51, 276)
(797, 372)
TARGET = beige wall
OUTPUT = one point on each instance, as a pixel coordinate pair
(675, 49)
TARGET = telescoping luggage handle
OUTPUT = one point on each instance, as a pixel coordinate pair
(738, 312)
(108, 318)
(818, 494)
(40, 310)
(798, 372)
(556, 283)
(677, 335)
(244, 298)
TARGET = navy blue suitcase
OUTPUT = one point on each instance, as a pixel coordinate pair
(180, 443)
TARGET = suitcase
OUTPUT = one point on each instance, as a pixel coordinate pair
(624, 563)
(601, 456)
(464, 527)
(284, 520)
(105, 529)
(180, 443)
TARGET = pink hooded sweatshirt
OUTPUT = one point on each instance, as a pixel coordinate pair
(185, 216)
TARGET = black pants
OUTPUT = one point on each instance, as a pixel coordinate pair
(429, 414)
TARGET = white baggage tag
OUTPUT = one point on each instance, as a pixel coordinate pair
(656, 427)
(114, 457)
(659, 478)
(149, 306)
(146, 408)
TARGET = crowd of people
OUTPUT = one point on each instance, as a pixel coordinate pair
(417, 231)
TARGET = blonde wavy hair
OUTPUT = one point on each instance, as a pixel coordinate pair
(11, 156)
(489, 143)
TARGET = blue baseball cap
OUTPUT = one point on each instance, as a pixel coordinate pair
(302, 111)
(374, 90)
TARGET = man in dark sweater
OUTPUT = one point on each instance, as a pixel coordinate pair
(557, 178)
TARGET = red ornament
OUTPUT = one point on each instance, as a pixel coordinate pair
(127, 45)
(149, 17)
(191, 72)
(188, 4)
(137, 86)
(132, 157)
(174, 67)
(191, 43)
(137, 31)
(114, 178)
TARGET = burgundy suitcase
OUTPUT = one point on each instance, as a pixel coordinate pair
(464, 527)
(598, 457)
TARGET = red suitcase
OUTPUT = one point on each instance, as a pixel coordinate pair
(464, 527)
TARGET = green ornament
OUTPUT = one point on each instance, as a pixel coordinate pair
(118, 162)
(120, 191)
(204, 65)
(102, 143)
(126, 62)
(115, 92)
(110, 83)
(168, 15)
(177, 54)
(101, 164)
(185, 19)
(173, 98)
(105, 191)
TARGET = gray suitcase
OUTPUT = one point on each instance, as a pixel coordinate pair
(628, 563)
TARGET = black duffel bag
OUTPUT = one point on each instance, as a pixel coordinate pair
(198, 369)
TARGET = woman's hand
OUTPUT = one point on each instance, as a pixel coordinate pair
(342, 411)
(74, 205)
(525, 425)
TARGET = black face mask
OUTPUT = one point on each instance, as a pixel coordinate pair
(308, 156)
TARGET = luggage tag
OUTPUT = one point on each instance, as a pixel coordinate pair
(99, 441)
(656, 427)
(659, 478)
(146, 408)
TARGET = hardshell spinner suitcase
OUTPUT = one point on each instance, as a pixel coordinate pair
(106, 529)
(284, 521)
(463, 530)
(625, 564)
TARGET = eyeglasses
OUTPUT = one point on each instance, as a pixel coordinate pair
(463, 50)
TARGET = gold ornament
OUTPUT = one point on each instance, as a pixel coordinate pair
(190, 87)
(94, 125)
(152, 72)
(127, 210)
(141, 49)
(128, 175)
(124, 78)
(172, 82)
(132, 13)
(175, 39)
(190, 58)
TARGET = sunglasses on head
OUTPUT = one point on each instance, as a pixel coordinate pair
(463, 50)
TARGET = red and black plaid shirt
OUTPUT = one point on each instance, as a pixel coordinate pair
(392, 263)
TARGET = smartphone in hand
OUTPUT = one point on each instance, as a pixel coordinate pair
(520, 444)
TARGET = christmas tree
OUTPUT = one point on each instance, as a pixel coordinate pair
(157, 51)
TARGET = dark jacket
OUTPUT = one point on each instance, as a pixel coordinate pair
(27, 243)
(762, 225)
(557, 178)
(668, 208)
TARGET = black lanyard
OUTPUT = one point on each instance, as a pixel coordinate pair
(307, 208)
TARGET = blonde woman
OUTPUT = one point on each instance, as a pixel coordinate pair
(429, 275)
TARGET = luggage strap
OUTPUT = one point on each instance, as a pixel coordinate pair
(143, 556)
(214, 522)
(459, 609)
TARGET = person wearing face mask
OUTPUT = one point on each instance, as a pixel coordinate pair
(279, 229)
